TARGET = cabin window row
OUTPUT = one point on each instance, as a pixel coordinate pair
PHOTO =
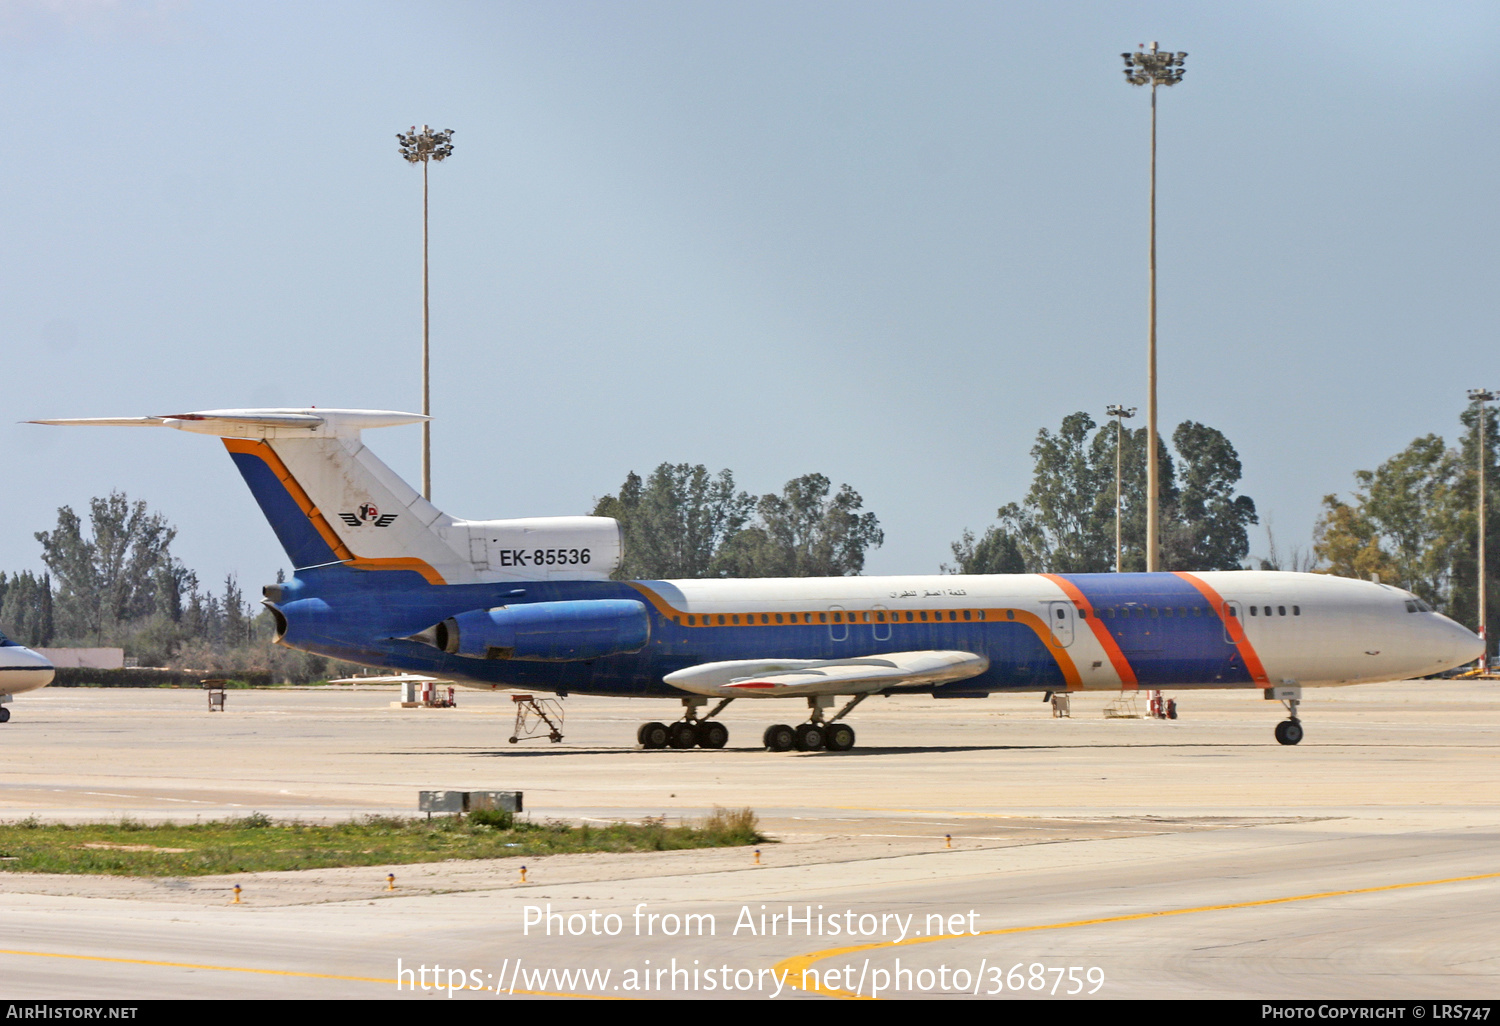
(1154, 611)
(1184, 611)
(841, 616)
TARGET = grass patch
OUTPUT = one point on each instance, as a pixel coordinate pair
(256, 843)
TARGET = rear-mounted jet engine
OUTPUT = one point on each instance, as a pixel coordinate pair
(552, 632)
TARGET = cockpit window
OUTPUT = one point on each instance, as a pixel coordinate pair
(4, 641)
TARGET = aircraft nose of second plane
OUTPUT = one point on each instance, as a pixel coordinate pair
(23, 669)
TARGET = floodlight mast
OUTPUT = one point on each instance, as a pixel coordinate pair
(1483, 396)
(1152, 68)
(1119, 413)
(422, 148)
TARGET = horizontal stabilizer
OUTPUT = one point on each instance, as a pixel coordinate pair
(779, 678)
(308, 423)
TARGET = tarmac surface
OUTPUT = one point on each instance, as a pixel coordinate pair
(1114, 858)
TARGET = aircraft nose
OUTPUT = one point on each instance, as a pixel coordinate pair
(1454, 643)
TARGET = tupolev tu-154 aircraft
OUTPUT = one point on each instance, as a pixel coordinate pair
(384, 578)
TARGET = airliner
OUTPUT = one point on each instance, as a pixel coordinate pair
(21, 670)
(383, 578)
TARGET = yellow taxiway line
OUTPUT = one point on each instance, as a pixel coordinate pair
(263, 972)
(793, 967)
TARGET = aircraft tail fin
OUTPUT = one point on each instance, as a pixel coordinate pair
(331, 501)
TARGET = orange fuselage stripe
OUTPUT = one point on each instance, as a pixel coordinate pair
(262, 451)
(1232, 625)
(1117, 659)
(803, 618)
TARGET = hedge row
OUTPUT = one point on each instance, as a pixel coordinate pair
(83, 677)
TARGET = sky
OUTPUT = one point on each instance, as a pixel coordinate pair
(885, 242)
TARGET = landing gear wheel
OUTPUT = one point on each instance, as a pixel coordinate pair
(1289, 732)
(839, 737)
(780, 738)
(4, 714)
(652, 735)
(809, 737)
(682, 734)
(712, 735)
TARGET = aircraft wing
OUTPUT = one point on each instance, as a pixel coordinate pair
(392, 678)
(779, 678)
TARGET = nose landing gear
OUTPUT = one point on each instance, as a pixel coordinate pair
(1288, 731)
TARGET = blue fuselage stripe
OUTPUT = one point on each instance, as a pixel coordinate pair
(1187, 644)
(367, 616)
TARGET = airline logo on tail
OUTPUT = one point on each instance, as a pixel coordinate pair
(369, 514)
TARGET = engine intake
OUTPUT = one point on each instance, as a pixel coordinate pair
(553, 632)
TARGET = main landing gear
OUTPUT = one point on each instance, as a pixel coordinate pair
(816, 734)
(692, 731)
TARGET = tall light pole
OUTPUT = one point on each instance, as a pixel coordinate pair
(1119, 413)
(1153, 69)
(1482, 396)
(422, 148)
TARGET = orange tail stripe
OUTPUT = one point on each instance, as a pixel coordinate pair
(263, 452)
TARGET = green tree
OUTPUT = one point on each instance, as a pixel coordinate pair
(1059, 526)
(1461, 521)
(236, 623)
(26, 608)
(686, 523)
(1414, 521)
(117, 583)
(1066, 523)
(803, 532)
(1401, 521)
(995, 553)
(121, 571)
(1208, 525)
(675, 523)
(1347, 544)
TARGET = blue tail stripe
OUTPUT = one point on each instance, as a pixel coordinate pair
(301, 540)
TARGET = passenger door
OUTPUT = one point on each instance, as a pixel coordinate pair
(838, 623)
(1060, 619)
